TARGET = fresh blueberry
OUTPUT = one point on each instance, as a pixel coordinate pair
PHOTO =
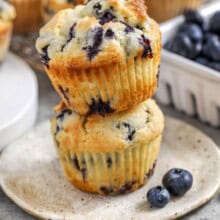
(158, 197)
(194, 17)
(197, 48)
(214, 65)
(168, 45)
(211, 49)
(209, 35)
(183, 46)
(215, 23)
(202, 60)
(178, 181)
(193, 31)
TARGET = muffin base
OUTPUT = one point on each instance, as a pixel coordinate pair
(5, 38)
(110, 173)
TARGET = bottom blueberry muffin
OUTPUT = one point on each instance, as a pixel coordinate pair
(110, 154)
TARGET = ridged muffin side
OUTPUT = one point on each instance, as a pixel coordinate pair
(109, 155)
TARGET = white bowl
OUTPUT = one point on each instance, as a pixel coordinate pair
(191, 87)
(18, 99)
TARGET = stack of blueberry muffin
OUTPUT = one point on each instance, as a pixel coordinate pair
(103, 59)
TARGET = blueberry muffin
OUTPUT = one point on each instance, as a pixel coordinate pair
(109, 155)
(28, 17)
(7, 14)
(51, 7)
(102, 57)
(162, 10)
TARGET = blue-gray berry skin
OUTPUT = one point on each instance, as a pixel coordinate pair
(178, 181)
(211, 49)
(215, 22)
(202, 60)
(182, 45)
(193, 16)
(198, 40)
(193, 31)
(158, 197)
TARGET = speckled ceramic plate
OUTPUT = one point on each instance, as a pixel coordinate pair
(31, 176)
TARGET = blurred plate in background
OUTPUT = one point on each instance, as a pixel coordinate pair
(18, 99)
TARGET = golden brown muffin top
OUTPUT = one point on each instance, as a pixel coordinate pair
(109, 133)
(99, 33)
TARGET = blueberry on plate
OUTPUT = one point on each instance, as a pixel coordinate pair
(158, 197)
(194, 16)
(193, 31)
(178, 181)
(215, 23)
(211, 49)
(183, 46)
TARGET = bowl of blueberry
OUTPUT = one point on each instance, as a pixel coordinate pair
(190, 68)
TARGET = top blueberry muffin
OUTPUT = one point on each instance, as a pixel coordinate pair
(102, 55)
(7, 11)
(102, 31)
